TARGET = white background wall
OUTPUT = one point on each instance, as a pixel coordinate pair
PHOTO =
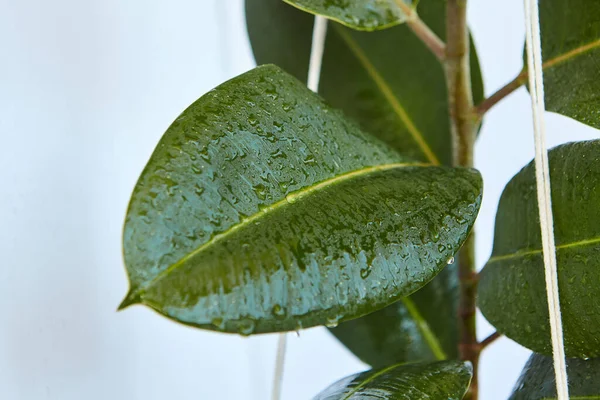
(86, 90)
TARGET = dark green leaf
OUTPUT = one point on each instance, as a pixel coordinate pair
(512, 289)
(537, 379)
(263, 209)
(388, 80)
(422, 327)
(359, 71)
(446, 380)
(571, 53)
(364, 15)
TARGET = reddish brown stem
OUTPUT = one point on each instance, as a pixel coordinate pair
(463, 127)
(489, 340)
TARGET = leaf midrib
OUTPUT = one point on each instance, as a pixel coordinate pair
(561, 59)
(387, 92)
(521, 253)
(372, 378)
(423, 326)
(571, 54)
(291, 198)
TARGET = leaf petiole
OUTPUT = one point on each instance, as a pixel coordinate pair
(423, 32)
(500, 94)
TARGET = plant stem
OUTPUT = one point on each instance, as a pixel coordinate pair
(489, 340)
(469, 347)
(423, 32)
(458, 76)
(463, 126)
(522, 78)
(504, 91)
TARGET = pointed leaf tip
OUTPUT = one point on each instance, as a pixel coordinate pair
(129, 300)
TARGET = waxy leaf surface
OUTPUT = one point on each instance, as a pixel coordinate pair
(364, 15)
(391, 83)
(571, 54)
(446, 380)
(537, 380)
(387, 81)
(263, 209)
(512, 288)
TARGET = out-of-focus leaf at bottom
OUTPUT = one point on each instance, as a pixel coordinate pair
(445, 380)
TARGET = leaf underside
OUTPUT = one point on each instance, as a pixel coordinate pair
(387, 81)
(512, 289)
(364, 15)
(537, 380)
(446, 380)
(262, 209)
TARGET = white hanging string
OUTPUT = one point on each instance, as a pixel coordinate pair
(314, 75)
(279, 363)
(542, 175)
(316, 53)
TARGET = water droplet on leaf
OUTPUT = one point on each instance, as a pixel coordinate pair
(278, 311)
(246, 327)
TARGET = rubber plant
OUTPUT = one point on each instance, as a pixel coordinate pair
(268, 208)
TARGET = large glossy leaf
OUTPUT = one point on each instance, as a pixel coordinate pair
(537, 380)
(365, 15)
(571, 52)
(404, 104)
(512, 290)
(446, 380)
(388, 80)
(263, 209)
(420, 327)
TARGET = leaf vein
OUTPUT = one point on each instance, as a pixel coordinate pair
(133, 296)
(390, 97)
(521, 253)
(371, 378)
(572, 54)
(422, 324)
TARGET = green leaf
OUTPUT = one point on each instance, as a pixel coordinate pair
(281, 34)
(571, 53)
(537, 380)
(512, 289)
(446, 380)
(404, 104)
(263, 209)
(387, 81)
(364, 15)
(422, 327)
